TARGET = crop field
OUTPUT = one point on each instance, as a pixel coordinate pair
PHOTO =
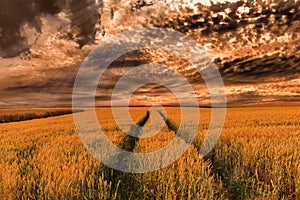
(257, 157)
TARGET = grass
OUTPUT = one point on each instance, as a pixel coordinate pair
(256, 157)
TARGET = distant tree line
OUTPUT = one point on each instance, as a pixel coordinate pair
(28, 115)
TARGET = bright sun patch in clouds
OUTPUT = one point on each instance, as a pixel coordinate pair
(176, 5)
(208, 2)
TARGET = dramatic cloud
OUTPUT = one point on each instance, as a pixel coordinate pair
(15, 15)
(271, 68)
(255, 45)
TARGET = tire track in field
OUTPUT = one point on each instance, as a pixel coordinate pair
(129, 141)
(124, 183)
(171, 126)
(174, 127)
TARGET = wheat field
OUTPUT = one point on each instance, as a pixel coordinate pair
(257, 157)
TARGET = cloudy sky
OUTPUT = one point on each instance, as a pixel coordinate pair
(254, 45)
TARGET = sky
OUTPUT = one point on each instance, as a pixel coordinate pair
(255, 47)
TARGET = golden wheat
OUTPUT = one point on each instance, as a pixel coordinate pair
(256, 157)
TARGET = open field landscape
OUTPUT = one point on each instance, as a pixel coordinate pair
(256, 157)
(150, 100)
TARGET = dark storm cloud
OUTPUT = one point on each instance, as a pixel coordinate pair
(258, 70)
(126, 63)
(57, 86)
(244, 98)
(256, 98)
(37, 87)
(152, 89)
(98, 97)
(240, 30)
(224, 17)
(59, 80)
(15, 13)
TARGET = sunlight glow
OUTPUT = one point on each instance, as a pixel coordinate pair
(176, 5)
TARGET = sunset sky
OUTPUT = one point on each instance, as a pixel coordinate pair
(254, 45)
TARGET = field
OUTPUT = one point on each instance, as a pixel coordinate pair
(256, 157)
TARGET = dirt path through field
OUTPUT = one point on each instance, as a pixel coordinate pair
(130, 141)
